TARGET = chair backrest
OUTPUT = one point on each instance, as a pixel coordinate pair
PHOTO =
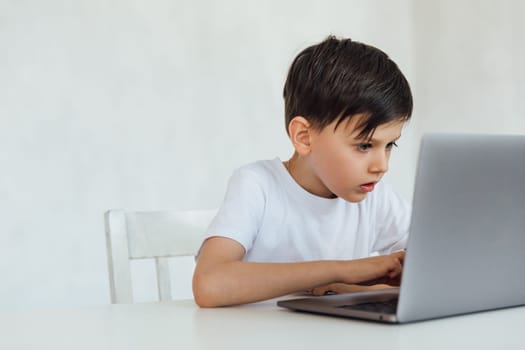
(156, 235)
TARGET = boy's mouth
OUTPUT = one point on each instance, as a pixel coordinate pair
(368, 187)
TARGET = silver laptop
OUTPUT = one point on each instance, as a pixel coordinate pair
(466, 249)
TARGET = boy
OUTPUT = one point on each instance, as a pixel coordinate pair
(310, 223)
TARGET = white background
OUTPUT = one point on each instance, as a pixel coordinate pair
(151, 104)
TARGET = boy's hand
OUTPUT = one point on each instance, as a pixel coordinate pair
(391, 282)
(341, 288)
(385, 269)
(377, 272)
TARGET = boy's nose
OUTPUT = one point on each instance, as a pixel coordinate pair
(379, 163)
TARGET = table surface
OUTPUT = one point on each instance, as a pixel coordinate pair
(182, 325)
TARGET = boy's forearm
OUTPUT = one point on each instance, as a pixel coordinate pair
(240, 282)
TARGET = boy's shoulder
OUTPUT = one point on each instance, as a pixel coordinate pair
(263, 175)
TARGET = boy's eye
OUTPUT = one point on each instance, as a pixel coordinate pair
(364, 146)
(391, 144)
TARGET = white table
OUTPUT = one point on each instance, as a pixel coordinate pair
(182, 325)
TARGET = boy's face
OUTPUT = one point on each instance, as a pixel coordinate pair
(343, 165)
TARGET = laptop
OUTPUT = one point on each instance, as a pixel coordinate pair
(466, 248)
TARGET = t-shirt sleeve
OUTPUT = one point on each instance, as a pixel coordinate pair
(393, 220)
(241, 212)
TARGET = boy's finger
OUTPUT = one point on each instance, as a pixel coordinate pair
(400, 255)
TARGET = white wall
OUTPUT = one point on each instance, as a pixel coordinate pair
(143, 105)
(470, 72)
(152, 104)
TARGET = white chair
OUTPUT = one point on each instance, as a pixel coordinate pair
(156, 235)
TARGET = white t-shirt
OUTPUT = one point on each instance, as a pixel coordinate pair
(276, 220)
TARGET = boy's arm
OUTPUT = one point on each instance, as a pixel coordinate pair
(221, 277)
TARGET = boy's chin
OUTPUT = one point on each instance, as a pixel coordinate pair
(354, 197)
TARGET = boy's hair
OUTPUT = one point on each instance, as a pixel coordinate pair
(339, 78)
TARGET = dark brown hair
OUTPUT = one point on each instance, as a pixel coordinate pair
(339, 78)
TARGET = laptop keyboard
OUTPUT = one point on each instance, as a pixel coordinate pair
(384, 307)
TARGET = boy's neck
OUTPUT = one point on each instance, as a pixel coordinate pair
(299, 171)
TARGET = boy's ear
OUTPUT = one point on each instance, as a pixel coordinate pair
(300, 131)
